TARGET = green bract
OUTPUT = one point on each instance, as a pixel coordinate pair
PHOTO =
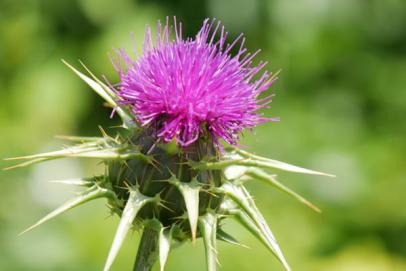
(174, 194)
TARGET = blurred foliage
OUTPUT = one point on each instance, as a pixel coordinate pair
(341, 97)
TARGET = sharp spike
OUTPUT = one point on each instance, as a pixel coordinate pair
(88, 195)
(24, 164)
(77, 182)
(134, 203)
(241, 196)
(247, 223)
(112, 153)
(55, 154)
(190, 192)
(165, 238)
(208, 228)
(259, 161)
(93, 84)
(82, 151)
(250, 162)
(104, 133)
(225, 237)
(258, 174)
(109, 91)
(80, 138)
(105, 92)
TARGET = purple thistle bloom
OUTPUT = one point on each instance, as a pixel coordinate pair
(193, 88)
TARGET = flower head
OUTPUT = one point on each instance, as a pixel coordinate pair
(188, 88)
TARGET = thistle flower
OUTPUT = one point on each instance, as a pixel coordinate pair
(187, 88)
(193, 92)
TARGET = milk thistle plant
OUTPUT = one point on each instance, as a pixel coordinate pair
(176, 171)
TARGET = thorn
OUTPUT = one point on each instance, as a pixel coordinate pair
(27, 163)
(103, 132)
(78, 182)
(88, 195)
(134, 204)
(258, 174)
(208, 227)
(165, 238)
(165, 207)
(223, 236)
(190, 192)
(262, 162)
(78, 138)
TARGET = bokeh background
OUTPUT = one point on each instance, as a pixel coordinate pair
(341, 97)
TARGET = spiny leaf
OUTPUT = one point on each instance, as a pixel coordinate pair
(165, 238)
(134, 204)
(258, 218)
(230, 207)
(37, 158)
(190, 193)
(70, 151)
(106, 93)
(83, 151)
(112, 153)
(94, 85)
(243, 199)
(107, 89)
(250, 162)
(249, 224)
(208, 228)
(225, 237)
(258, 174)
(94, 192)
(271, 163)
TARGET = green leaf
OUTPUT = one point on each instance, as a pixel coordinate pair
(94, 192)
(208, 228)
(243, 199)
(258, 174)
(134, 204)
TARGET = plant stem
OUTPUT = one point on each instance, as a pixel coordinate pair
(148, 250)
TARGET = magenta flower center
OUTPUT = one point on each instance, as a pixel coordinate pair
(188, 88)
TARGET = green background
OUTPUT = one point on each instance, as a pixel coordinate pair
(341, 97)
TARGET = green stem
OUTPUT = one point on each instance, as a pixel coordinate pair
(148, 250)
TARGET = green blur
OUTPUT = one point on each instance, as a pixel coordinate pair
(341, 97)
